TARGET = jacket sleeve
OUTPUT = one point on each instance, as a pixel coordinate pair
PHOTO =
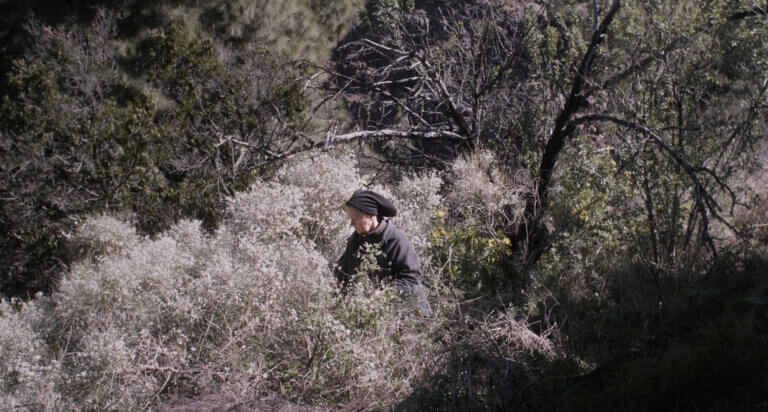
(404, 263)
(345, 265)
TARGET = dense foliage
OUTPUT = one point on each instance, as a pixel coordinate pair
(246, 311)
(584, 182)
(81, 136)
(673, 92)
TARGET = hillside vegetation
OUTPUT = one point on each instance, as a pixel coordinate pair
(583, 181)
(125, 109)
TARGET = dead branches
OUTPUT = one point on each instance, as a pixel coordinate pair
(706, 205)
(455, 76)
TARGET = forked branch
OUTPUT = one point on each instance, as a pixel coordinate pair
(706, 205)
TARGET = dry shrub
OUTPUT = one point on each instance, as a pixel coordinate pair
(322, 197)
(751, 182)
(104, 235)
(513, 338)
(481, 191)
(27, 374)
(249, 311)
(418, 203)
(492, 362)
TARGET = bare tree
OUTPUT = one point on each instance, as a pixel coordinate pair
(469, 80)
(458, 74)
(460, 77)
(442, 83)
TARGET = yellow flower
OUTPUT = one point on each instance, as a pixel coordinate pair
(441, 213)
(443, 232)
(507, 241)
(509, 252)
(435, 235)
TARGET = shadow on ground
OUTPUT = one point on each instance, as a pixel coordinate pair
(703, 348)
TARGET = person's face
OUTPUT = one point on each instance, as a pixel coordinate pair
(363, 223)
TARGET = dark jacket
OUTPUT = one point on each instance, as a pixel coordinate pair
(399, 264)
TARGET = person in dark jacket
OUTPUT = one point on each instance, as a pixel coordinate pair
(400, 266)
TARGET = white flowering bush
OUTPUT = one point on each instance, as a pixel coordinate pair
(479, 190)
(103, 234)
(326, 182)
(27, 374)
(248, 311)
(418, 203)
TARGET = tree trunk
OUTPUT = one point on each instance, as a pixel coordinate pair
(531, 237)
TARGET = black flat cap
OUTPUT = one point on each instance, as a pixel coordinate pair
(372, 203)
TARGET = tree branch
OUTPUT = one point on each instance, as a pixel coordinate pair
(403, 134)
(705, 203)
(531, 237)
(563, 128)
(331, 137)
(754, 11)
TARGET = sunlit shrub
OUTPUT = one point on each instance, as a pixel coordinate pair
(103, 235)
(418, 204)
(27, 376)
(248, 310)
(480, 190)
(251, 309)
(326, 182)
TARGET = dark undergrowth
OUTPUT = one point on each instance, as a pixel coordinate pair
(699, 350)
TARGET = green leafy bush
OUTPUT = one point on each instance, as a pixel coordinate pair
(73, 141)
(78, 136)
